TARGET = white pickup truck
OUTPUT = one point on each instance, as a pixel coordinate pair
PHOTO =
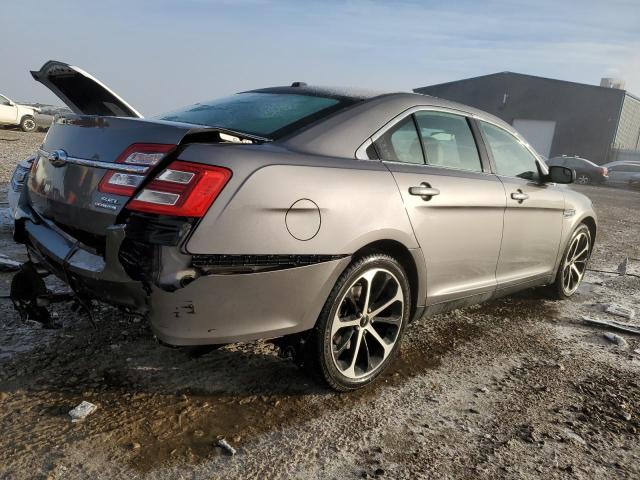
(12, 113)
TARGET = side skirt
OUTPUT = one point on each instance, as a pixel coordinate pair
(499, 292)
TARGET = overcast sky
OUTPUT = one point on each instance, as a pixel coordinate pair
(162, 54)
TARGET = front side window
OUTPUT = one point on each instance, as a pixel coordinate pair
(258, 113)
(401, 143)
(511, 157)
(448, 141)
(4, 100)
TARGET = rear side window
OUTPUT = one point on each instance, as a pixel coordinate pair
(263, 114)
(401, 143)
(448, 141)
(511, 157)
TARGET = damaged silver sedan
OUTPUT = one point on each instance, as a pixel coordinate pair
(325, 218)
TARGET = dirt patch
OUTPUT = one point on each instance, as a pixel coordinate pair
(515, 388)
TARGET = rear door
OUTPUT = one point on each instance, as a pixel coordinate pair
(454, 203)
(534, 214)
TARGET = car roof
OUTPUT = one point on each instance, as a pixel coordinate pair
(342, 133)
(360, 94)
(572, 157)
(344, 93)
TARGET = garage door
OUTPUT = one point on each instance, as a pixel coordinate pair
(539, 133)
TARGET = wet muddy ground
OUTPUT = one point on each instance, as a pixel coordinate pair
(515, 388)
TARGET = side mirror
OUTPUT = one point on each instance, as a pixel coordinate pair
(558, 174)
(11, 104)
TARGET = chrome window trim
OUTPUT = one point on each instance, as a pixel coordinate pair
(361, 152)
(119, 167)
(519, 139)
(398, 118)
(411, 111)
(362, 155)
(427, 165)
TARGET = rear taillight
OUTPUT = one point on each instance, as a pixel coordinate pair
(183, 189)
(139, 154)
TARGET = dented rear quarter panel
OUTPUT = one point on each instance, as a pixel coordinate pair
(358, 203)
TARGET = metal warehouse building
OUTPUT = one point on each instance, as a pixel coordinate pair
(555, 116)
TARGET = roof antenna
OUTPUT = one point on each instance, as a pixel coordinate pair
(299, 84)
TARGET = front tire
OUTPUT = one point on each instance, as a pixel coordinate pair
(573, 265)
(28, 124)
(360, 327)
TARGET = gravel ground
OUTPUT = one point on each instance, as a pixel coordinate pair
(15, 146)
(515, 388)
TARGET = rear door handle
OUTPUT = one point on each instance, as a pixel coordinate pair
(520, 196)
(424, 190)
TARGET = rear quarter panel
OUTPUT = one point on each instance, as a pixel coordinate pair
(357, 203)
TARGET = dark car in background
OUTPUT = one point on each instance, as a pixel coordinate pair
(587, 172)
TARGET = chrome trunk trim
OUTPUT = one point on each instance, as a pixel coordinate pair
(58, 158)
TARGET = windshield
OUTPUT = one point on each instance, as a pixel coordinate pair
(264, 114)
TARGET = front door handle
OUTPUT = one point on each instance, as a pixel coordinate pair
(424, 190)
(520, 196)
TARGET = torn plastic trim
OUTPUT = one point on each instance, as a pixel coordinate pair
(224, 135)
(21, 174)
(224, 263)
(87, 274)
(157, 229)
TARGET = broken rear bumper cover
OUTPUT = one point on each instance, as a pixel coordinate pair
(213, 308)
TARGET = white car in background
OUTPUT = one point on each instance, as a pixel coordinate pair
(12, 113)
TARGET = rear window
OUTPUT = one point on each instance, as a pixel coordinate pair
(264, 114)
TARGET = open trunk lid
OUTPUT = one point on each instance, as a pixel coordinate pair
(81, 92)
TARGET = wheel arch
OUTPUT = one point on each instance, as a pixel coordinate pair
(411, 261)
(28, 116)
(590, 222)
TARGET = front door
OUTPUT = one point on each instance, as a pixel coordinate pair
(455, 206)
(534, 215)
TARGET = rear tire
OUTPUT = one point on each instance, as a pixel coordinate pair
(583, 179)
(573, 264)
(361, 324)
(28, 124)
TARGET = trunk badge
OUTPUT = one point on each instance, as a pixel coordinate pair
(57, 158)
